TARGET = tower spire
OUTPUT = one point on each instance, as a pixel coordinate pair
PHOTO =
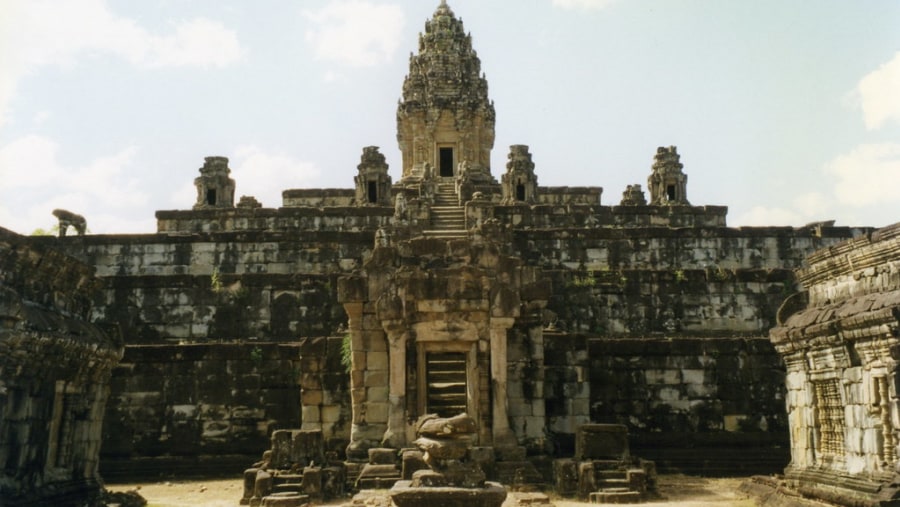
(445, 119)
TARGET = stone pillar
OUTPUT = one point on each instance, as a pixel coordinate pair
(358, 448)
(395, 436)
(503, 435)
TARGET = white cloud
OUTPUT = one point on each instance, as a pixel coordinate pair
(35, 182)
(355, 32)
(879, 94)
(265, 175)
(869, 175)
(582, 4)
(862, 185)
(805, 208)
(37, 33)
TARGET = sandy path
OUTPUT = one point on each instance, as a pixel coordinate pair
(678, 490)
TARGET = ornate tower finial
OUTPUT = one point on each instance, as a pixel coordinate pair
(667, 182)
(215, 189)
(445, 118)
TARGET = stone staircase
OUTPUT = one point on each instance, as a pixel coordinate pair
(448, 218)
(618, 486)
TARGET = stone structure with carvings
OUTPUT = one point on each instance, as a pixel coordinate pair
(668, 183)
(215, 188)
(54, 374)
(445, 117)
(534, 309)
(840, 339)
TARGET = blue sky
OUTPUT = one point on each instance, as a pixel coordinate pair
(786, 111)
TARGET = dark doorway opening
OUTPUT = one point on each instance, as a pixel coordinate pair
(446, 162)
(670, 192)
(445, 379)
(373, 191)
(520, 192)
(211, 196)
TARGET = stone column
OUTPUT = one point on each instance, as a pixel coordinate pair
(395, 436)
(358, 429)
(503, 435)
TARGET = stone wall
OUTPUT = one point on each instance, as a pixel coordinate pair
(691, 282)
(176, 406)
(279, 285)
(54, 373)
(697, 404)
(338, 218)
(318, 197)
(839, 340)
(225, 286)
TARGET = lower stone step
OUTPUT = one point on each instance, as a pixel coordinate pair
(615, 495)
(290, 487)
(377, 482)
(445, 234)
(284, 500)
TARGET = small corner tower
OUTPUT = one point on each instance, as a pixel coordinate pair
(667, 182)
(519, 182)
(373, 184)
(214, 188)
(445, 119)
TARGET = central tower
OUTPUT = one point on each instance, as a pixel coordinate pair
(445, 120)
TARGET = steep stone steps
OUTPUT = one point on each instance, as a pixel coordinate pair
(448, 218)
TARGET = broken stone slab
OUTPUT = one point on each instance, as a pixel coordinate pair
(383, 456)
(428, 479)
(433, 426)
(462, 474)
(412, 461)
(601, 442)
(491, 495)
(285, 500)
(443, 448)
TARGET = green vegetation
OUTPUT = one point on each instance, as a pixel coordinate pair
(346, 353)
(256, 355)
(584, 280)
(215, 281)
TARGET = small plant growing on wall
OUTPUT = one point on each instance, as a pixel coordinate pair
(346, 353)
(584, 280)
(256, 355)
(679, 276)
(215, 281)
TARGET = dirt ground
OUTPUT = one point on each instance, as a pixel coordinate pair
(678, 490)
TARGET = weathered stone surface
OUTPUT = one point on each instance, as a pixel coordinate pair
(480, 267)
(601, 442)
(840, 352)
(491, 495)
(55, 367)
(443, 448)
(433, 426)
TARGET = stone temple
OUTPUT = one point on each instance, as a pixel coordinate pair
(456, 288)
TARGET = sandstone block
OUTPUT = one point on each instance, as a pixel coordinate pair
(444, 448)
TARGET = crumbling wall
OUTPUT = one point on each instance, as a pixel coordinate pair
(839, 340)
(699, 404)
(280, 284)
(310, 210)
(54, 371)
(174, 407)
(714, 282)
(222, 287)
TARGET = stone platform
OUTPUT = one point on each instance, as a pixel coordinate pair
(382, 498)
(491, 495)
